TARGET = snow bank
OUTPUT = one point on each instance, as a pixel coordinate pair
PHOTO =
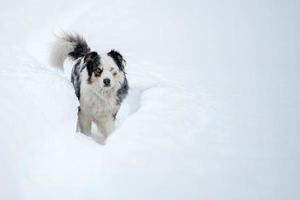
(211, 114)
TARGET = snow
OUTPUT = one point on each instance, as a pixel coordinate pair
(213, 110)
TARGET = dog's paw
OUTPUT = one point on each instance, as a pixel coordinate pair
(99, 139)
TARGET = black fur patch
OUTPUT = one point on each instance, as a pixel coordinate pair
(114, 115)
(92, 63)
(123, 91)
(118, 58)
(80, 46)
(75, 78)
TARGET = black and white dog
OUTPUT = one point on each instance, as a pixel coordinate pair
(99, 81)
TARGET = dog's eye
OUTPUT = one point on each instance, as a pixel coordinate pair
(98, 72)
(115, 73)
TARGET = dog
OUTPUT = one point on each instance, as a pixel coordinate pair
(99, 81)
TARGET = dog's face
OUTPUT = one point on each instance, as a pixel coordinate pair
(107, 70)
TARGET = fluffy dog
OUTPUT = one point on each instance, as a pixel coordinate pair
(99, 81)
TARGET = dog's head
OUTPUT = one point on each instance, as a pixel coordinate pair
(105, 70)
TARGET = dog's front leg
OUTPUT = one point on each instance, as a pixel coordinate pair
(106, 125)
(84, 123)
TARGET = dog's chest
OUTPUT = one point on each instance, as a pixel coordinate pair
(98, 103)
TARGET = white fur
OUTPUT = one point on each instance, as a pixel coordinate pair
(59, 52)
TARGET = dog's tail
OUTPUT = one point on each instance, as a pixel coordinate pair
(72, 45)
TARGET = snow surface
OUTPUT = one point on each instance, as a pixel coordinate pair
(213, 111)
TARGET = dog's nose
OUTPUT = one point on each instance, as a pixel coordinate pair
(106, 81)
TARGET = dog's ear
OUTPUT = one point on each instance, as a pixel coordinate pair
(118, 58)
(92, 61)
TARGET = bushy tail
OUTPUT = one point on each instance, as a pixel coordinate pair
(72, 45)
